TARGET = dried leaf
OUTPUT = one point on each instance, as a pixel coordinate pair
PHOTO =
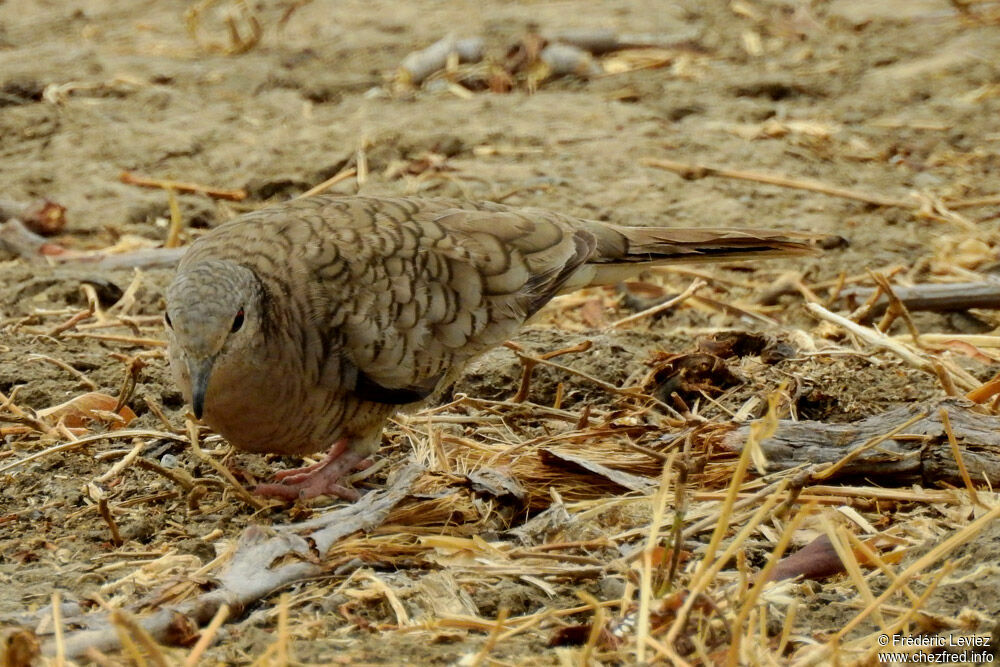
(80, 412)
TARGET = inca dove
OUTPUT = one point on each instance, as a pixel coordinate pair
(305, 326)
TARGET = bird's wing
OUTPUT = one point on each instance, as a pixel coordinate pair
(423, 290)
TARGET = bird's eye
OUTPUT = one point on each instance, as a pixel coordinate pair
(166, 319)
(237, 321)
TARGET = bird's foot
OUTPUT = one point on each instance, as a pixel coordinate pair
(318, 479)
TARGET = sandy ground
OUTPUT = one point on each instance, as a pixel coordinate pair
(899, 98)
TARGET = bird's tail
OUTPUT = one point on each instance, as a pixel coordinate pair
(622, 252)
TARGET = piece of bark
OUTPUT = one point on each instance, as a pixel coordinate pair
(935, 297)
(250, 576)
(920, 453)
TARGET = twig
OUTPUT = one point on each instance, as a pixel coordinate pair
(691, 171)
(105, 512)
(993, 200)
(695, 285)
(957, 453)
(342, 175)
(607, 386)
(528, 364)
(180, 186)
(19, 240)
(57, 623)
(896, 308)
(114, 338)
(80, 442)
(659, 502)
(224, 472)
(873, 337)
(176, 221)
(127, 460)
(596, 625)
(83, 379)
(938, 298)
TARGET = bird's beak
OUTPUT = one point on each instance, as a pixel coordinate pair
(199, 370)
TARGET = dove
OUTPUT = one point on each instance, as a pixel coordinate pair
(305, 326)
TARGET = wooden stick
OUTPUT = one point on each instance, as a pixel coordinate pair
(934, 297)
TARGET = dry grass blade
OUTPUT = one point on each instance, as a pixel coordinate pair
(871, 556)
(207, 637)
(881, 341)
(695, 171)
(83, 379)
(831, 471)
(342, 175)
(176, 221)
(709, 564)
(80, 442)
(224, 472)
(750, 600)
(938, 552)
(691, 289)
(491, 641)
(957, 453)
(646, 580)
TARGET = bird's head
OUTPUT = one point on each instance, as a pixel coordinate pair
(213, 311)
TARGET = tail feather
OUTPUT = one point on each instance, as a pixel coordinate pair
(666, 245)
(623, 252)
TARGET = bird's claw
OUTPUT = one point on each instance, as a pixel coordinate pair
(318, 479)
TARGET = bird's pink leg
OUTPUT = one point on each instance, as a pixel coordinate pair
(319, 479)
